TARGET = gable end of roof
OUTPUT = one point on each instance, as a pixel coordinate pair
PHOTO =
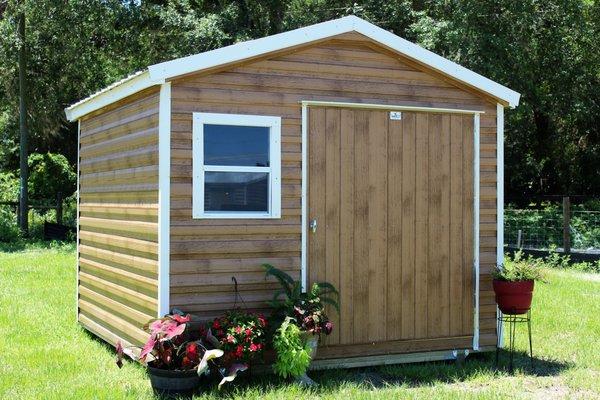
(160, 73)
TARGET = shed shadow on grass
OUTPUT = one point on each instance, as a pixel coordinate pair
(411, 375)
(405, 375)
(427, 373)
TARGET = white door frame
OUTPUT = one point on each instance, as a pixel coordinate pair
(476, 134)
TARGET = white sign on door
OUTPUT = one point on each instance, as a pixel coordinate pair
(395, 115)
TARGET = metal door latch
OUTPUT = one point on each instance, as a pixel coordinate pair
(313, 225)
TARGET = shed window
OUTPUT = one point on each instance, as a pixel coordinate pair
(236, 166)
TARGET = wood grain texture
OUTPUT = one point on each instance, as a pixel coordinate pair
(401, 186)
(118, 218)
(348, 69)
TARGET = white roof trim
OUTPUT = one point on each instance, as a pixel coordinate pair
(159, 73)
(117, 91)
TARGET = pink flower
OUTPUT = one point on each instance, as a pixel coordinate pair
(230, 339)
(238, 329)
(253, 347)
(328, 327)
(262, 320)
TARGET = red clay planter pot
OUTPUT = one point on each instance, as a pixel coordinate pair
(513, 297)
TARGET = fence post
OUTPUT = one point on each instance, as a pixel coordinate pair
(567, 225)
(59, 208)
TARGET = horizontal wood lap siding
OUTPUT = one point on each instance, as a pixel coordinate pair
(118, 214)
(205, 254)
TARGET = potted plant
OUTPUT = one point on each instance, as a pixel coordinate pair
(242, 338)
(176, 356)
(300, 320)
(513, 283)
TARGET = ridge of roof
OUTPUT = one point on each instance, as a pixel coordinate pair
(161, 72)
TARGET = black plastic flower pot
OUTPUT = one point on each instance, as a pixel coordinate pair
(173, 384)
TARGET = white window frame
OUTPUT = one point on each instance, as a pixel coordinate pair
(199, 169)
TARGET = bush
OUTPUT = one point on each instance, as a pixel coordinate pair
(9, 186)
(9, 229)
(49, 174)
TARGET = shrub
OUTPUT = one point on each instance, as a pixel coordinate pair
(519, 269)
(9, 186)
(9, 229)
(49, 174)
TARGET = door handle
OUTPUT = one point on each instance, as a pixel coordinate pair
(313, 225)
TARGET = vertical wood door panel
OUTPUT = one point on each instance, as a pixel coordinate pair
(393, 200)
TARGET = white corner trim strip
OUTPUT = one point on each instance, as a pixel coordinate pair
(476, 162)
(164, 193)
(500, 200)
(304, 252)
(77, 219)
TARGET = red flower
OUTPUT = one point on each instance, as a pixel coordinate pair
(248, 332)
(191, 352)
(239, 351)
(254, 347)
(216, 324)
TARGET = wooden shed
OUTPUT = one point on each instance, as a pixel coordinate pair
(336, 152)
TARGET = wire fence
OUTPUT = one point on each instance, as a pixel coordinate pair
(544, 229)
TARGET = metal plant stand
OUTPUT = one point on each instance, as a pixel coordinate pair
(513, 320)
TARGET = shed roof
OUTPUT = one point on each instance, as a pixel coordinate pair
(159, 73)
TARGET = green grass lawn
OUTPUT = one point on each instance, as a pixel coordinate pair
(44, 353)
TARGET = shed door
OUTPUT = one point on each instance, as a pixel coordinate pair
(393, 201)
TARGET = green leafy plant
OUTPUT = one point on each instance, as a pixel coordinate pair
(518, 269)
(293, 353)
(307, 310)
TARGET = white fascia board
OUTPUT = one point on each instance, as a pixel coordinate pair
(113, 93)
(436, 62)
(253, 48)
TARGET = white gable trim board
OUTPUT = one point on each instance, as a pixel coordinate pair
(159, 73)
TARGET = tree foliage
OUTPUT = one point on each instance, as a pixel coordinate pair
(546, 49)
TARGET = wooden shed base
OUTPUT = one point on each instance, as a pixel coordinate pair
(390, 359)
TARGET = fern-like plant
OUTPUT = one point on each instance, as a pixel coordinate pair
(307, 310)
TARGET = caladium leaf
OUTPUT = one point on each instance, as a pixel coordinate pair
(232, 373)
(208, 355)
(181, 318)
(172, 330)
(212, 339)
(148, 347)
(119, 360)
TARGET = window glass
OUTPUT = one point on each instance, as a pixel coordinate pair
(236, 145)
(236, 191)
